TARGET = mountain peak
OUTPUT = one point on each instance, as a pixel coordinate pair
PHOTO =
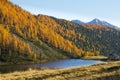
(103, 23)
(77, 21)
(96, 21)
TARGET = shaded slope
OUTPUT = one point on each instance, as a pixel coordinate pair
(94, 38)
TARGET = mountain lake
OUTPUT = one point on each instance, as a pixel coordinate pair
(67, 63)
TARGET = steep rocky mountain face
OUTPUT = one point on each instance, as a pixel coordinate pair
(32, 38)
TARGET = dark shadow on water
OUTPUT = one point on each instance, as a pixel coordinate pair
(53, 64)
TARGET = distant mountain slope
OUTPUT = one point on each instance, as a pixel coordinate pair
(103, 23)
(96, 21)
(78, 22)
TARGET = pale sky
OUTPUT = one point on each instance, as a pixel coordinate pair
(84, 10)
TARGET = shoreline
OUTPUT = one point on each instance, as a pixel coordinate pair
(100, 58)
(96, 71)
(24, 67)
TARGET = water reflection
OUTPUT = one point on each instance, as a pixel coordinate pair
(54, 64)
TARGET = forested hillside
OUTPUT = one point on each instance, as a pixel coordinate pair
(28, 29)
(28, 37)
(94, 38)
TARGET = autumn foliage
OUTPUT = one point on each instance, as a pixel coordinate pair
(25, 34)
(23, 26)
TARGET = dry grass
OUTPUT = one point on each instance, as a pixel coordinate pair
(103, 71)
(95, 57)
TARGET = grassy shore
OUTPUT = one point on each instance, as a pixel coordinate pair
(102, 71)
(104, 58)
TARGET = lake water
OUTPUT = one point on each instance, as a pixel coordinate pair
(53, 64)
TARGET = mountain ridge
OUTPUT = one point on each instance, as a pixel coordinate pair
(96, 21)
(77, 21)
